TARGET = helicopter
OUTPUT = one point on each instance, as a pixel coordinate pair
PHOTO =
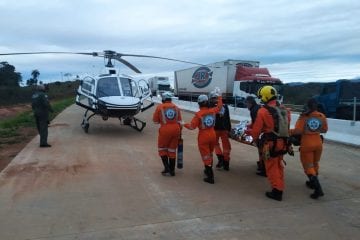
(111, 94)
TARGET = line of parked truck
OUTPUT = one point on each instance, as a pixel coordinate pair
(241, 78)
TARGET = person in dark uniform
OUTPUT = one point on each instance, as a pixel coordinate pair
(253, 107)
(41, 108)
(222, 129)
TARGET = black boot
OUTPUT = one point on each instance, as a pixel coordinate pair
(310, 183)
(220, 161)
(261, 169)
(172, 166)
(275, 194)
(165, 162)
(258, 166)
(318, 190)
(226, 165)
(209, 175)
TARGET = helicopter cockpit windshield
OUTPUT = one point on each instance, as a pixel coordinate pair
(108, 86)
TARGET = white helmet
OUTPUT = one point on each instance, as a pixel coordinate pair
(166, 96)
(202, 98)
(213, 94)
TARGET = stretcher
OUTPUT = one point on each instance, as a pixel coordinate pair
(240, 133)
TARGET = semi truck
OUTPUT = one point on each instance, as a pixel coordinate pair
(158, 85)
(237, 79)
(337, 99)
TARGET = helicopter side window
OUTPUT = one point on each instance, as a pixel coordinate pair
(128, 87)
(108, 86)
(87, 84)
(134, 88)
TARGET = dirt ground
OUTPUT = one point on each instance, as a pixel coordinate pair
(11, 146)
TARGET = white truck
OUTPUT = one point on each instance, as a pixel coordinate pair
(237, 79)
(158, 85)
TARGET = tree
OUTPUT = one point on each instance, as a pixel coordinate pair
(35, 74)
(8, 76)
(34, 80)
(68, 75)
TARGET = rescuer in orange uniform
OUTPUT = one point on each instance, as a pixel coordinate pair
(222, 130)
(205, 121)
(168, 116)
(273, 147)
(310, 124)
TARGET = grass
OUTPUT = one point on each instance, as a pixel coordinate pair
(9, 127)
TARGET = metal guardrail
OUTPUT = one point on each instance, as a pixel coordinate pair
(295, 108)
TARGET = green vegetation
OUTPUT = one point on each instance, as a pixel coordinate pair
(299, 94)
(9, 127)
(17, 95)
(8, 76)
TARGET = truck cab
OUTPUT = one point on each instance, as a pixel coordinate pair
(249, 80)
(158, 85)
(336, 99)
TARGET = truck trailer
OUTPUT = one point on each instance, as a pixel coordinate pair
(237, 79)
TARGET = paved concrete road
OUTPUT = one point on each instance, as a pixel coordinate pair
(107, 185)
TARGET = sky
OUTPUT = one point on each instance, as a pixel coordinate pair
(298, 41)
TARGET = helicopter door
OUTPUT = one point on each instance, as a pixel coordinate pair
(85, 93)
(145, 94)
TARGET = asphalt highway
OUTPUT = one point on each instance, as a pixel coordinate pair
(107, 185)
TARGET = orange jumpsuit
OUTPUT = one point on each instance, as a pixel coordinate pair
(264, 123)
(310, 126)
(168, 116)
(205, 121)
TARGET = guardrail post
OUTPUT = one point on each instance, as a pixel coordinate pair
(354, 113)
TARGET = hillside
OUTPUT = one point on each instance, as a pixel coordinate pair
(21, 95)
(298, 94)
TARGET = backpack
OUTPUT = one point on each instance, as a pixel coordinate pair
(281, 122)
(281, 129)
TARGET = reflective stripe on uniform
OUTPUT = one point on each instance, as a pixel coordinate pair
(171, 150)
(206, 157)
(309, 165)
(163, 116)
(162, 149)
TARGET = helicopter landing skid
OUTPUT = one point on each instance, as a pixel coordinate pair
(134, 123)
(85, 122)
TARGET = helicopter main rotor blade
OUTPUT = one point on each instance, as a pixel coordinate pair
(29, 53)
(148, 56)
(123, 61)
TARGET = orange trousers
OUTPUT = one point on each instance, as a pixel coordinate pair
(275, 169)
(275, 172)
(224, 136)
(310, 158)
(168, 140)
(206, 145)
